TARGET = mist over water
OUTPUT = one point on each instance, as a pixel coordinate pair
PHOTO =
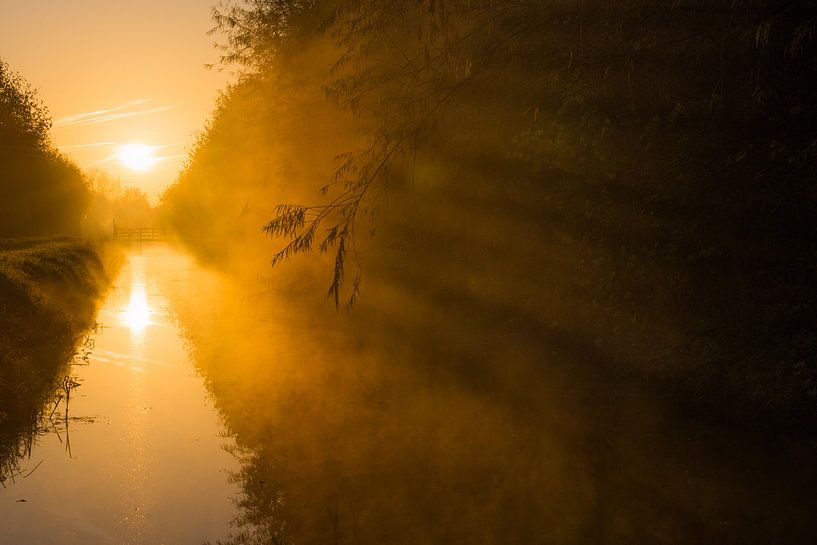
(352, 432)
(216, 409)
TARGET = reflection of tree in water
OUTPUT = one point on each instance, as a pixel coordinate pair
(49, 289)
(259, 520)
(15, 446)
(372, 440)
(39, 414)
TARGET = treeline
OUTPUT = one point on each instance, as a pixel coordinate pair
(631, 182)
(111, 203)
(41, 191)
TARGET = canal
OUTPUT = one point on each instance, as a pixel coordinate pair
(138, 454)
(217, 410)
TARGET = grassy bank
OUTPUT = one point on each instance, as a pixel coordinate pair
(49, 291)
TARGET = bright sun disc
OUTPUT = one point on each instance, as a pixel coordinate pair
(137, 156)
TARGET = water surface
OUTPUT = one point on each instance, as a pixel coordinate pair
(398, 424)
(141, 456)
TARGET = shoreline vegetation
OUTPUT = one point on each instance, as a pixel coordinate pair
(50, 288)
(535, 169)
(51, 275)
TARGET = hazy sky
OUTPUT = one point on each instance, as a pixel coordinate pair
(116, 72)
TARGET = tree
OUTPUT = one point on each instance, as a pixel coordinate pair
(24, 120)
(43, 192)
(576, 82)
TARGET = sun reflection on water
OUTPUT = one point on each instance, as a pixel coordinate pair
(136, 315)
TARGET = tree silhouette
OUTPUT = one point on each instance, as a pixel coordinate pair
(43, 191)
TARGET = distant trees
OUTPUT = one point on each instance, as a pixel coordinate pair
(111, 203)
(41, 191)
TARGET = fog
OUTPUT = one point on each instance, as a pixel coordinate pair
(541, 166)
(354, 429)
(562, 257)
(479, 272)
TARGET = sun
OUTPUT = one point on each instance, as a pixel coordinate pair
(137, 156)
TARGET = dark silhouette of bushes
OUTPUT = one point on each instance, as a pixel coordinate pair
(41, 191)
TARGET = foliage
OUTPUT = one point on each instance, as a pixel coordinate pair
(256, 30)
(637, 178)
(654, 74)
(24, 121)
(227, 168)
(43, 192)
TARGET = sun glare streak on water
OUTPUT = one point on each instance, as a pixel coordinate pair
(136, 317)
(137, 314)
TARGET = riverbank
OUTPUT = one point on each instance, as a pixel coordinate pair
(49, 291)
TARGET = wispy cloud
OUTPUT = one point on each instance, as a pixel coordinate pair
(91, 145)
(72, 118)
(114, 158)
(123, 111)
(116, 144)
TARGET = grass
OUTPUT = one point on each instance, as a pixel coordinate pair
(49, 292)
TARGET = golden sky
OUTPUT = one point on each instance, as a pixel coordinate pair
(117, 72)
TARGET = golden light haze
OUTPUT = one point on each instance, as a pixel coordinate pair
(138, 157)
(117, 73)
